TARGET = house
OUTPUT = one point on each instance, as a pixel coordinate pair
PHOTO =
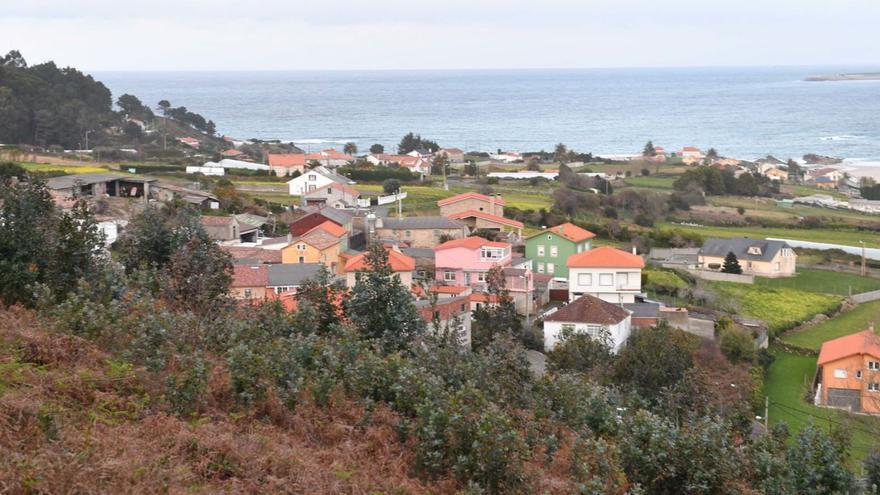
(825, 183)
(246, 255)
(691, 152)
(851, 187)
(831, 173)
(610, 274)
(760, 257)
(454, 155)
(314, 179)
(287, 278)
(776, 174)
(419, 232)
(507, 157)
(424, 258)
(415, 164)
(478, 220)
(330, 158)
(402, 265)
(231, 153)
(591, 316)
(286, 164)
(472, 201)
(229, 163)
(249, 282)
(465, 262)
(334, 194)
(643, 314)
(314, 216)
(550, 249)
(225, 229)
(451, 313)
(191, 142)
(316, 246)
(683, 258)
(849, 373)
(101, 184)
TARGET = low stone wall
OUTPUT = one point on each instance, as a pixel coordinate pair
(722, 277)
(866, 296)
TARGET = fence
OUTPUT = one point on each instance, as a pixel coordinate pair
(384, 200)
(866, 296)
(722, 277)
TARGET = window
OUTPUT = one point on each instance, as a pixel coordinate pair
(606, 279)
(567, 328)
(622, 279)
(550, 267)
(248, 293)
(549, 237)
(540, 250)
(585, 279)
(481, 277)
(301, 247)
(312, 177)
(859, 374)
(408, 233)
(594, 330)
(755, 250)
(329, 191)
(540, 267)
(492, 253)
(554, 251)
(449, 276)
(778, 266)
(840, 373)
(580, 247)
(874, 387)
(302, 259)
(874, 365)
(436, 315)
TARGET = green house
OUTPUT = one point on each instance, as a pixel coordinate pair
(549, 250)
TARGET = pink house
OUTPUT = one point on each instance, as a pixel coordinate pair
(465, 263)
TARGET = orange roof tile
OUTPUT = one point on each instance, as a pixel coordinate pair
(330, 227)
(470, 195)
(250, 276)
(571, 232)
(486, 216)
(287, 160)
(447, 289)
(216, 220)
(472, 242)
(605, 257)
(318, 238)
(399, 262)
(231, 152)
(864, 342)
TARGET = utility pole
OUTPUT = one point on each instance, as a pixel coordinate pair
(766, 413)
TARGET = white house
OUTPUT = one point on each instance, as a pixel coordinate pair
(506, 157)
(592, 316)
(230, 163)
(313, 180)
(610, 274)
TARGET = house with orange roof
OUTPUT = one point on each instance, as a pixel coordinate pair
(249, 282)
(472, 201)
(285, 164)
(448, 314)
(316, 246)
(454, 155)
(402, 265)
(231, 153)
(334, 194)
(848, 373)
(608, 273)
(478, 220)
(330, 157)
(550, 249)
(313, 180)
(191, 142)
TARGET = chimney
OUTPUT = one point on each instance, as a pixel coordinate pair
(634, 250)
(561, 229)
(289, 237)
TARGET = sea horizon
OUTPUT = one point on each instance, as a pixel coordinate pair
(742, 111)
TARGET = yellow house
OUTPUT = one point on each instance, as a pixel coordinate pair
(316, 246)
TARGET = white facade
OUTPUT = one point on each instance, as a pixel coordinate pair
(307, 182)
(618, 332)
(230, 163)
(614, 285)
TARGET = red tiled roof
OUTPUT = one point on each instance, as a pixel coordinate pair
(472, 242)
(482, 297)
(330, 227)
(287, 160)
(486, 216)
(453, 150)
(232, 152)
(605, 257)
(470, 195)
(589, 309)
(572, 232)
(318, 238)
(216, 221)
(690, 148)
(328, 154)
(398, 261)
(864, 342)
(447, 289)
(250, 276)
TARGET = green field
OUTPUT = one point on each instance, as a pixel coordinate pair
(650, 182)
(847, 237)
(823, 282)
(67, 169)
(852, 321)
(786, 384)
(780, 307)
(768, 208)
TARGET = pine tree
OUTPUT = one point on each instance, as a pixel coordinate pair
(649, 149)
(381, 307)
(498, 316)
(322, 296)
(731, 264)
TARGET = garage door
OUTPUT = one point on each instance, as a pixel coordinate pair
(844, 397)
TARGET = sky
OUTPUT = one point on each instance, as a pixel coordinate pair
(439, 34)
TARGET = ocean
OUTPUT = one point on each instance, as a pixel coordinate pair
(742, 112)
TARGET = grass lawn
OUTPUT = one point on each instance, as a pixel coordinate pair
(650, 182)
(823, 282)
(67, 169)
(664, 278)
(852, 321)
(787, 382)
(767, 208)
(782, 308)
(847, 237)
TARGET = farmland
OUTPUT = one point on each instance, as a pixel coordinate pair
(847, 322)
(782, 308)
(849, 237)
(823, 282)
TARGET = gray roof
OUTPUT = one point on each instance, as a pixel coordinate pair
(643, 310)
(415, 223)
(740, 247)
(339, 216)
(292, 274)
(68, 181)
(675, 255)
(419, 252)
(251, 219)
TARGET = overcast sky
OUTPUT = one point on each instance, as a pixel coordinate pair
(439, 34)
